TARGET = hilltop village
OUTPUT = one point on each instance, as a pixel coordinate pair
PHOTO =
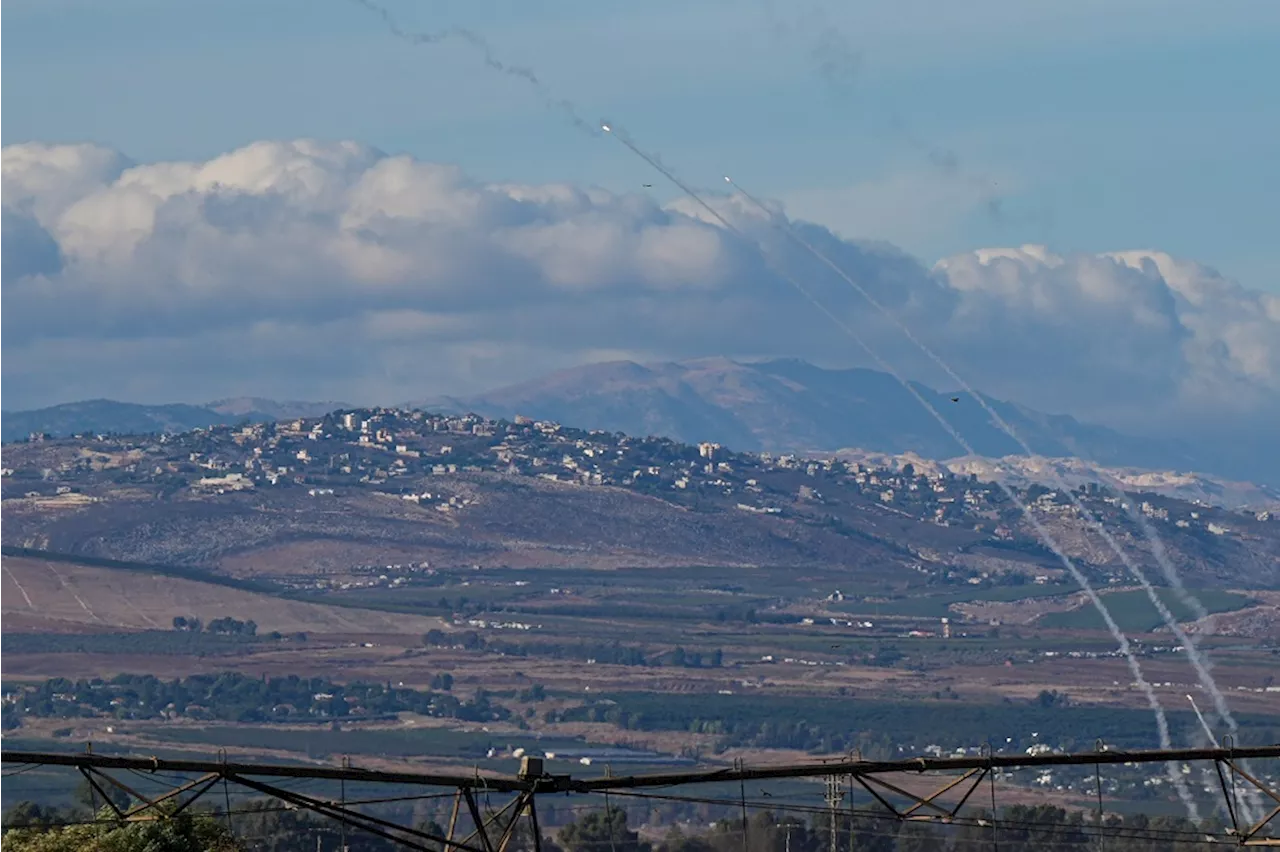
(421, 458)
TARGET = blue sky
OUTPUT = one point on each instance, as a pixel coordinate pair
(1124, 124)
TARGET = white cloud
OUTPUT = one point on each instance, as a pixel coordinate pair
(1154, 336)
(47, 178)
(334, 271)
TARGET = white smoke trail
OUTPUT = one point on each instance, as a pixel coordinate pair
(1162, 725)
(838, 63)
(1193, 654)
(1251, 804)
(565, 107)
(1199, 661)
(480, 44)
(1208, 732)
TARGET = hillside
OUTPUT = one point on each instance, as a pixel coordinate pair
(541, 580)
(384, 485)
(55, 596)
(1023, 471)
(1191, 487)
(793, 406)
(774, 406)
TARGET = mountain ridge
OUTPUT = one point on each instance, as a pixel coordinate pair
(108, 415)
(781, 405)
(791, 405)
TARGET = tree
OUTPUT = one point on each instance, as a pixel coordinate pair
(1053, 698)
(187, 832)
(599, 830)
(677, 841)
(533, 694)
(92, 800)
(28, 814)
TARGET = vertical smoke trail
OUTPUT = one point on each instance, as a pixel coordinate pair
(1162, 725)
(561, 105)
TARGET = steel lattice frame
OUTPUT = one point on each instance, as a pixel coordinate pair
(492, 834)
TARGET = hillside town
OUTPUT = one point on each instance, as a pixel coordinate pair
(424, 460)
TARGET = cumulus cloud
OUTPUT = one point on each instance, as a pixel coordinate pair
(1129, 332)
(334, 270)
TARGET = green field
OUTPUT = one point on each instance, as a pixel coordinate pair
(781, 721)
(145, 642)
(1134, 612)
(938, 605)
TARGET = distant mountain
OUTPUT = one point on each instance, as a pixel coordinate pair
(105, 415)
(791, 405)
(257, 408)
(777, 406)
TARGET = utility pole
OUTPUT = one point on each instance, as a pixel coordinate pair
(852, 832)
(835, 795)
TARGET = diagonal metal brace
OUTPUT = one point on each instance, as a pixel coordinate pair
(374, 825)
(93, 782)
(928, 801)
(1249, 836)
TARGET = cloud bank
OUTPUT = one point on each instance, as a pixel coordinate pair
(331, 270)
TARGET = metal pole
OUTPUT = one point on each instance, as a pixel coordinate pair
(852, 819)
(995, 843)
(834, 796)
(533, 824)
(342, 792)
(1102, 837)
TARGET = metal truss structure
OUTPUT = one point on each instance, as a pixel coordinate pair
(883, 780)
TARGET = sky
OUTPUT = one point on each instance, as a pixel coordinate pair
(1102, 125)
(942, 128)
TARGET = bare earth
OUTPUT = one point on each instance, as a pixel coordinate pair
(39, 595)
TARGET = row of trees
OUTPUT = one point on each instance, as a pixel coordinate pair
(841, 724)
(225, 626)
(1020, 828)
(263, 826)
(235, 697)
